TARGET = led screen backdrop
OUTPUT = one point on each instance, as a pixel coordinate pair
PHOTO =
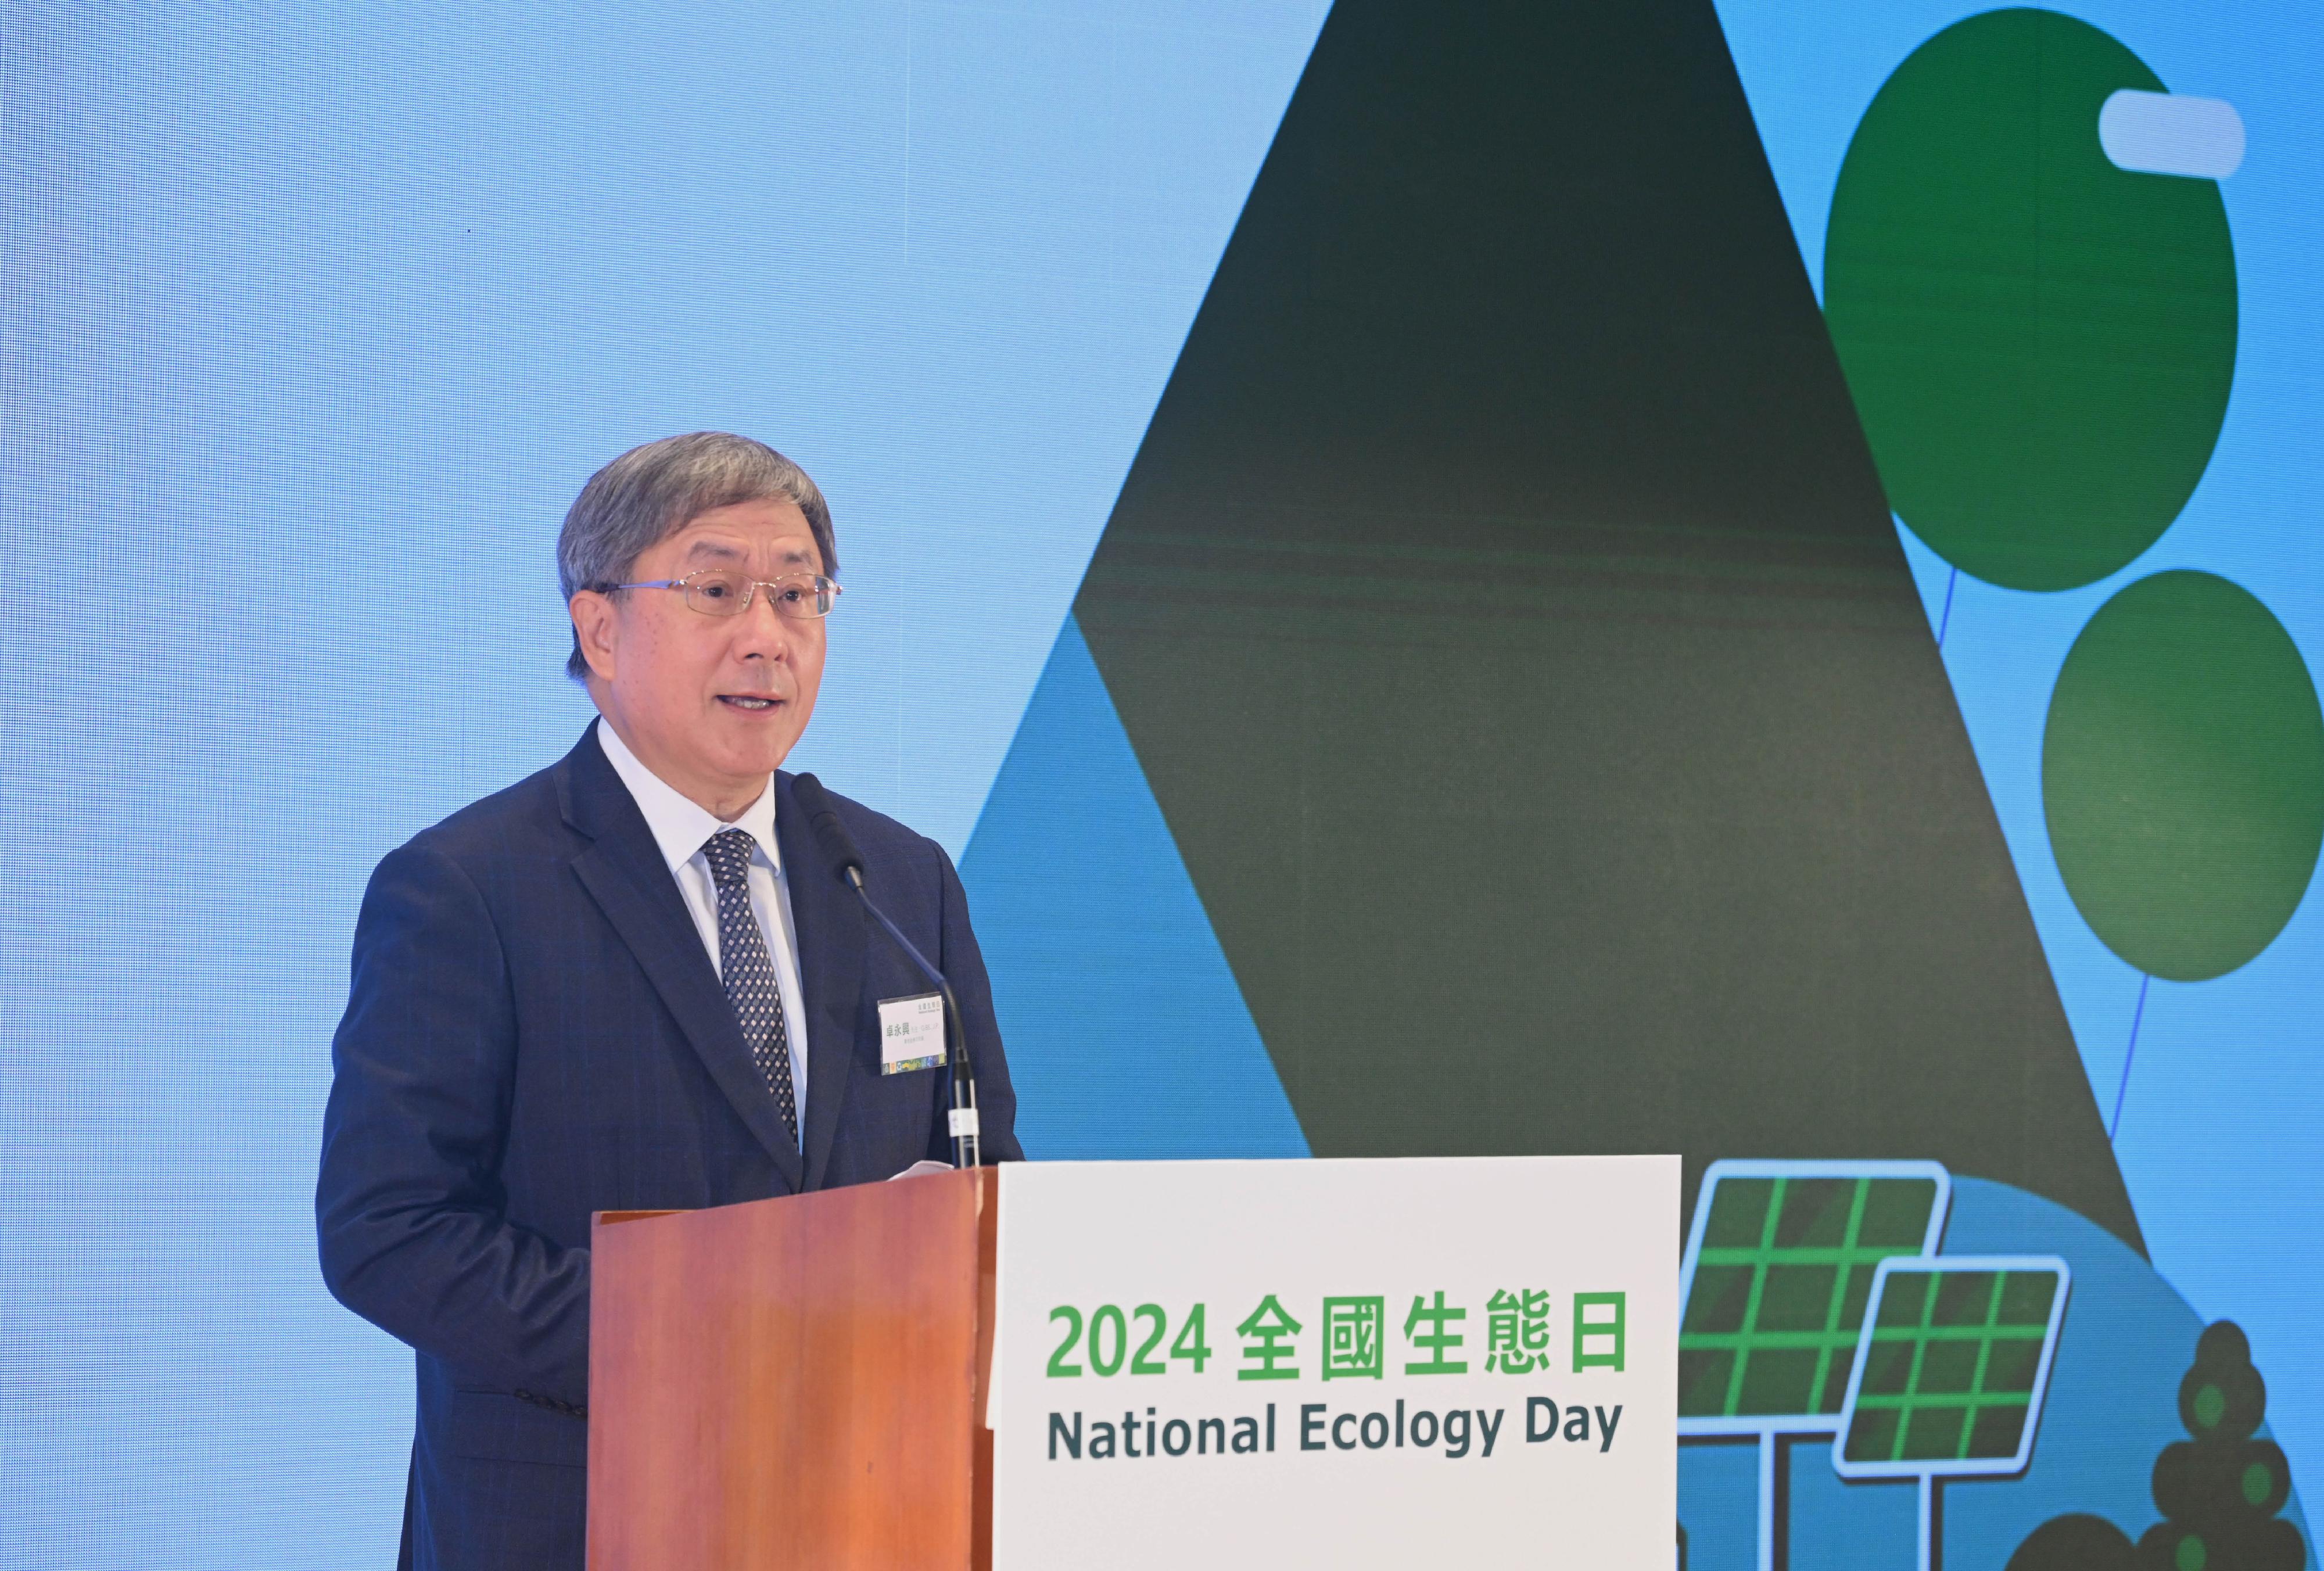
(1505, 578)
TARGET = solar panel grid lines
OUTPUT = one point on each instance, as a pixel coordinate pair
(1953, 1362)
(1777, 1272)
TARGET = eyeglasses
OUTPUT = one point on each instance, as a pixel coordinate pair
(720, 592)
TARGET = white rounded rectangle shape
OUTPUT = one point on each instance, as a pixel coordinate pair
(911, 1033)
(2172, 134)
(963, 1122)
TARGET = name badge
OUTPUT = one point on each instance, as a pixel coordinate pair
(911, 1033)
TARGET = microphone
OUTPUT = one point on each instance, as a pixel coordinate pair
(831, 831)
(839, 848)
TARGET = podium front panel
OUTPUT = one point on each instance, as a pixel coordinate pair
(791, 1382)
(1337, 1363)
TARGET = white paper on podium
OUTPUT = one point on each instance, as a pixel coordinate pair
(1258, 1458)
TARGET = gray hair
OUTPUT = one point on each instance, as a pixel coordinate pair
(651, 492)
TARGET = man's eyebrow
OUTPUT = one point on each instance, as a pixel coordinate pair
(716, 550)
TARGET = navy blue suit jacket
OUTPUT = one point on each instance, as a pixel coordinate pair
(534, 1033)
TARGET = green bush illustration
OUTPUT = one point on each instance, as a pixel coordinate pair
(2078, 1542)
(2218, 1492)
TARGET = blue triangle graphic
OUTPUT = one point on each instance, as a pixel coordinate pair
(1127, 1035)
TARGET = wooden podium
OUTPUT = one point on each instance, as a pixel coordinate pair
(1160, 1365)
(795, 1383)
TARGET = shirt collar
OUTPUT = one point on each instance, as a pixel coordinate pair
(680, 825)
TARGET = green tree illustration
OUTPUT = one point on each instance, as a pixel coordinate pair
(2219, 1491)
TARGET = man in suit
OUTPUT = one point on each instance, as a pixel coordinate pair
(629, 982)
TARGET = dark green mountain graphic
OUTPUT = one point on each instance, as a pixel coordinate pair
(1506, 612)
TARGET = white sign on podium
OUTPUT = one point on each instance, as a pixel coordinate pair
(1336, 1363)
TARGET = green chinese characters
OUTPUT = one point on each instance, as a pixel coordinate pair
(1266, 1333)
(1355, 1347)
(1352, 1332)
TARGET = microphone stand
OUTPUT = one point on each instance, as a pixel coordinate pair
(839, 848)
(962, 1116)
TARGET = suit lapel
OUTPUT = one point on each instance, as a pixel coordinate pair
(624, 873)
(829, 919)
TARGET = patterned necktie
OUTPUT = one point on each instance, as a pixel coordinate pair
(748, 972)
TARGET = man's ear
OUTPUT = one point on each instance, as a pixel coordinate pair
(595, 624)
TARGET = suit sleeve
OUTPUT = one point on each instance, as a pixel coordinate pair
(963, 964)
(408, 1207)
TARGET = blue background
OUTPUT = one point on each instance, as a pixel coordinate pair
(2215, 1116)
(313, 317)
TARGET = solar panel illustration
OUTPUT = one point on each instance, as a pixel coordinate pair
(1954, 1363)
(1778, 1275)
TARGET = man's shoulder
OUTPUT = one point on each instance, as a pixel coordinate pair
(524, 819)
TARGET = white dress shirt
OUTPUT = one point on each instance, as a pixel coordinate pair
(681, 827)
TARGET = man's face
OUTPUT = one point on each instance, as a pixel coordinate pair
(711, 704)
